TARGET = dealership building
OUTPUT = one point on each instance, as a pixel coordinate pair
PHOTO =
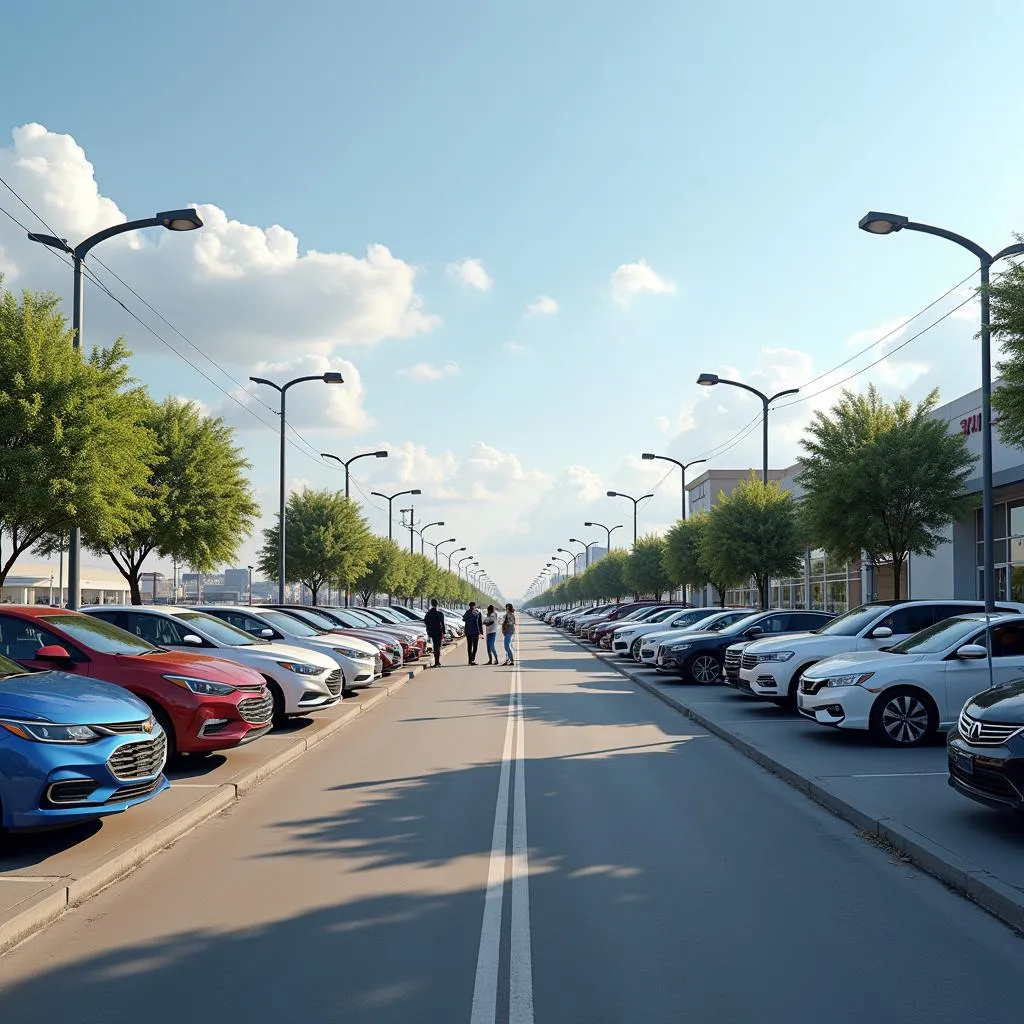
(954, 570)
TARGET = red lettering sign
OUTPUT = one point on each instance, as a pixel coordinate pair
(971, 424)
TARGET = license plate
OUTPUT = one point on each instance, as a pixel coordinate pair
(965, 762)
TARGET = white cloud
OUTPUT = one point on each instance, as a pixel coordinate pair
(472, 273)
(515, 348)
(543, 306)
(629, 280)
(663, 423)
(427, 371)
(240, 292)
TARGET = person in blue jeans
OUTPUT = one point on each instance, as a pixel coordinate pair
(491, 632)
(508, 631)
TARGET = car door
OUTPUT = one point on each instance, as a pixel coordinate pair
(21, 639)
(965, 678)
(248, 623)
(905, 622)
(160, 630)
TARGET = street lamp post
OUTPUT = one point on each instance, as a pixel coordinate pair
(172, 220)
(572, 560)
(423, 540)
(886, 224)
(587, 545)
(332, 377)
(450, 540)
(250, 568)
(636, 502)
(684, 466)
(562, 561)
(389, 498)
(411, 524)
(709, 380)
(461, 562)
(348, 462)
(607, 529)
(454, 551)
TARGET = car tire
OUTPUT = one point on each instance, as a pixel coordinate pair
(278, 717)
(165, 723)
(789, 701)
(903, 717)
(634, 650)
(704, 668)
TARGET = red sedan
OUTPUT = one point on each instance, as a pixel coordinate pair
(203, 703)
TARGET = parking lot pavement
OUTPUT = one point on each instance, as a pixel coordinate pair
(901, 794)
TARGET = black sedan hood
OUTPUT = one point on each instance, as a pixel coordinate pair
(1003, 703)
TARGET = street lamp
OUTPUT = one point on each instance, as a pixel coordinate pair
(562, 561)
(886, 224)
(250, 568)
(454, 551)
(450, 540)
(411, 526)
(389, 498)
(607, 529)
(462, 561)
(684, 466)
(709, 380)
(587, 545)
(282, 389)
(172, 220)
(572, 560)
(636, 501)
(422, 530)
(348, 462)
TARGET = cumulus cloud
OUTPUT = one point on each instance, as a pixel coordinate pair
(543, 306)
(472, 273)
(241, 292)
(427, 371)
(629, 280)
(515, 348)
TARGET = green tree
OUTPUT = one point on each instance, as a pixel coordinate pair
(74, 447)
(885, 478)
(644, 571)
(684, 565)
(609, 575)
(752, 533)
(197, 504)
(384, 570)
(326, 540)
(1007, 320)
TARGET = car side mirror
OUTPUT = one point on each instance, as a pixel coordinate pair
(267, 633)
(52, 652)
(881, 633)
(192, 640)
(754, 631)
(972, 652)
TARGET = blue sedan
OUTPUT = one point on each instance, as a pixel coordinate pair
(73, 749)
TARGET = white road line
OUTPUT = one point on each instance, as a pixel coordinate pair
(520, 999)
(897, 775)
(485, 987)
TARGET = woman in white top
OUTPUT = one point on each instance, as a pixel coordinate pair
(508, 631)
(491, 632)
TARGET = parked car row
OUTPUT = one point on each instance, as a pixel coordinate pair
(94, 703)
(900, 671)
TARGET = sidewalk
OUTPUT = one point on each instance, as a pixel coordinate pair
(43, 874)
(900, 796)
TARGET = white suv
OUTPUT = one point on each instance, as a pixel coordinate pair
(772, 669)
(712, 621)
(903, 696)
(627, 638)
(299, 681)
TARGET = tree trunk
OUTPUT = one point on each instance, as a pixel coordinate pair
(135, 587)
(897, 573)
(314, 590)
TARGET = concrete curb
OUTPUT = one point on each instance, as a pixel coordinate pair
(982, 887)
(46, 909)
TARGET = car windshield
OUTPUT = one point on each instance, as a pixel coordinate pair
(742, 625)
(388, 615)
(99, 636)
(712, 623)
(319, 619)
(9, 668)
(662, 616)
(938, 638)
(217, 629)
(289, 624)
(852, 622)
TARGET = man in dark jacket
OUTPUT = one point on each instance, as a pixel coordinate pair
(434, 621)
(474, 627)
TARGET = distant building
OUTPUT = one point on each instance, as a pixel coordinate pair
(237, 580)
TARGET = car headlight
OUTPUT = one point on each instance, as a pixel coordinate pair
(679, 647)
(625, 632)
(300, 668)
(351, 652)
(774, 656)
(207, 687)
(44, 732)
(850, 680)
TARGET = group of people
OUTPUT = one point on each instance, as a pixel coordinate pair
(477, 624)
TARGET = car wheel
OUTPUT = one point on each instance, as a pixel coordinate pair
(789, 701)
(279, 717)
(704, 668)
(634, 650)
(165, 723)
(903, 717)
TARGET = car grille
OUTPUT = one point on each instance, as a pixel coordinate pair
(985, 734)
(378, 664)
(732, 665)
(125, 728)
(139, 760)
(333, 684)
(257, 710)
(62, 793)
(132, 792)
(985, 780)
(811, 686)
(749, 661)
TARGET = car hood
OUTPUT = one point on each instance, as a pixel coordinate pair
(824, 645)
(205, 666)
(1003, 703)
(67, 699)
(259, 654)
(355, 643)
(850, 662)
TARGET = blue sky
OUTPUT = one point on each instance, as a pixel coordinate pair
(732, 148)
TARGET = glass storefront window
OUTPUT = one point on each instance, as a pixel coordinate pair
(1017, 583)
(1016, 520)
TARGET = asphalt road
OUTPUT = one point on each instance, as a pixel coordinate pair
(574, 853)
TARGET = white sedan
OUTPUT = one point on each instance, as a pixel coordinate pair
(904, 695)
(711, 622)
(626, 639)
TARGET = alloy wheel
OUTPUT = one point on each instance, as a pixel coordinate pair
(705, 668)
(905, 719)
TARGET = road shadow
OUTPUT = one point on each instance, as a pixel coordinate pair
(20, 850)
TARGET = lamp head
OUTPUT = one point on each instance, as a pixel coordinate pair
(613, 494)
(882, 223)
(381, 455)
(707, 380)
(574, 540)
(416, 491)
(333, 377)
(647, 456)
(588, 524)
(180, 220)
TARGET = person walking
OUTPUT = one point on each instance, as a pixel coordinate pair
(508, 630)
(474, 627)
(434, 621)
(491, 632)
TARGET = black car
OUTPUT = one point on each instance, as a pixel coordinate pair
(699, 657)
(986, 749)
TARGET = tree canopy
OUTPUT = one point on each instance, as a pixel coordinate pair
(1007, 319)
(684, 564)
(644, 569)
